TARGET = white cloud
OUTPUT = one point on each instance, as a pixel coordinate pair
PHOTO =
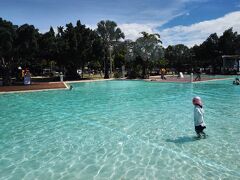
(132, 31)
(188, 35)
(90, 26)
(197, 33)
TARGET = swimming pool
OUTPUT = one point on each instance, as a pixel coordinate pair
(120, 130)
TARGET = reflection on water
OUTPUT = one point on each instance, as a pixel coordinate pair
(185, 139)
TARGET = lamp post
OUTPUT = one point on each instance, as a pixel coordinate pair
(110, 59)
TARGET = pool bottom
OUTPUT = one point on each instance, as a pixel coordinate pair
(120, 130)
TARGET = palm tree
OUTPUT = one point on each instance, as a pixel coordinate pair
(110, 35)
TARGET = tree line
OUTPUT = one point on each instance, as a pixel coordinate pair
(104, 49)
(206, 55)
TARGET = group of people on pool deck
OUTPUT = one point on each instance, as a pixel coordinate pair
(180, 74)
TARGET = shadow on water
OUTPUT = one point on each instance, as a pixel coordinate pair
(183, 139)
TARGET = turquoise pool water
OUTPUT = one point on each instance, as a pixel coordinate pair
(120, 130)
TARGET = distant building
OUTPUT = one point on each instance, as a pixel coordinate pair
(231, 64)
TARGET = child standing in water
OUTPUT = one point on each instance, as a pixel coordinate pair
(198, 116)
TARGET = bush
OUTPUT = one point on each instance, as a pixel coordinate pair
(117, 75)
(133, 75)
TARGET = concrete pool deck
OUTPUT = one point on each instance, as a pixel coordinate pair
(42, 86)
(182, 80)
(35, 86)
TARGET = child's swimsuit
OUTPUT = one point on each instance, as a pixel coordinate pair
(199, 119)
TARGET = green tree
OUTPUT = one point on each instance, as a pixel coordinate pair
(96, 62)
(77, 46)
(7, 50)
(61, 53)
(237, 45)
(226, 42)
(27, 45)
(47, 49)
(146, 50)
(48, 45)
(210, 52)
(179, 57)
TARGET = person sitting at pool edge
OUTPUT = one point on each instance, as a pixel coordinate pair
(199, 117)
(237, 81)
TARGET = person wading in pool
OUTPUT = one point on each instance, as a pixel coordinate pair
(199, 117)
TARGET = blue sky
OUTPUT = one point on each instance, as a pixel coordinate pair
(177, 21)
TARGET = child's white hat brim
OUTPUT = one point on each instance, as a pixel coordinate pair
(197, 98)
